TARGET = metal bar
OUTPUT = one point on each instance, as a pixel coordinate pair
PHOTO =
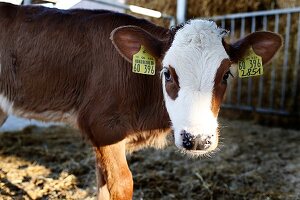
(261, 79)
(181, 11)
(259, 110)
(271, 111)
(296, 69)
(232, 29)
(223, 23)
(265, 22)
(249, 98)
(240, 80)
(172, 22)
(273, 72)
(296, 109)
(258, 13)
(26, 2)
(250, 108)
(286, 60)
(229, 87)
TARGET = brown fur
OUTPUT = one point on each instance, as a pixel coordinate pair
(219, 86)
(172, 86)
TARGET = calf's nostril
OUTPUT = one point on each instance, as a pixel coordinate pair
(187, 140)
(203, 144)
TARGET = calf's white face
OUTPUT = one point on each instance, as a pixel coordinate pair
(189, 70)
(195, 66)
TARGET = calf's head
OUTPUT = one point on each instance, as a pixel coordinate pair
(195, 63)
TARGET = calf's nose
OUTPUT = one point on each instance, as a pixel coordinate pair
(191, 142)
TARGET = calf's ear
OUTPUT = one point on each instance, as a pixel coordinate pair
(263, 43)
(129, 39)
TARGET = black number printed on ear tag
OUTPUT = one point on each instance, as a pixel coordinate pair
(143, 62)
(250, 65)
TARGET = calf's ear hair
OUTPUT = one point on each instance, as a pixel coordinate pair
(128, 40)
(263, 43)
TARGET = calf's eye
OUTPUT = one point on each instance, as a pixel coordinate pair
(226, 76)
(167, 75)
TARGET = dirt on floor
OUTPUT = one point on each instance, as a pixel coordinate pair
(254, 162)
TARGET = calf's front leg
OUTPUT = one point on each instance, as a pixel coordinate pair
(113, 175)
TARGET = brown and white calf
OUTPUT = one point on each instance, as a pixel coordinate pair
(75, 66)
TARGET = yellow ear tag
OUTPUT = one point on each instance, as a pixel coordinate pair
(143, 62)
(250, 65)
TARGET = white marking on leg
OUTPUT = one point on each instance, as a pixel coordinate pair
(6, 105)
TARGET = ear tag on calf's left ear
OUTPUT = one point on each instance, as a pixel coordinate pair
(143, 62)
(250, 65)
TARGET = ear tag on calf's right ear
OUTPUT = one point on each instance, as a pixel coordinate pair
(143, 62)
(250, 65)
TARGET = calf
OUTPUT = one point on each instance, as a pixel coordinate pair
(75, 66)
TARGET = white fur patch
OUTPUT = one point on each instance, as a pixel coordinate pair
(69, 117)
(6, 105)
(195, 54)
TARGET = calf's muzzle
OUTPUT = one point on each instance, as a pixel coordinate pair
(190, 142)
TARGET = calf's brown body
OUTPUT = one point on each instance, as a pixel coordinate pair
(62, 66)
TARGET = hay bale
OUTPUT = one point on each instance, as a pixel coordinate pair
(288, 3)
(208, 8)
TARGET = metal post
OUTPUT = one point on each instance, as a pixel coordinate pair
(261, 78)
(239, 90)
(27, 2)
(181, 11)
(249, 98)
(285, 61)
(274, 64)
(296, 73)
(230, 81)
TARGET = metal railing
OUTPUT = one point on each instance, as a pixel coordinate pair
(277, 91)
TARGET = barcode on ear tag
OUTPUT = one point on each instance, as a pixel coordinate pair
(250, 65)
(143, 62)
